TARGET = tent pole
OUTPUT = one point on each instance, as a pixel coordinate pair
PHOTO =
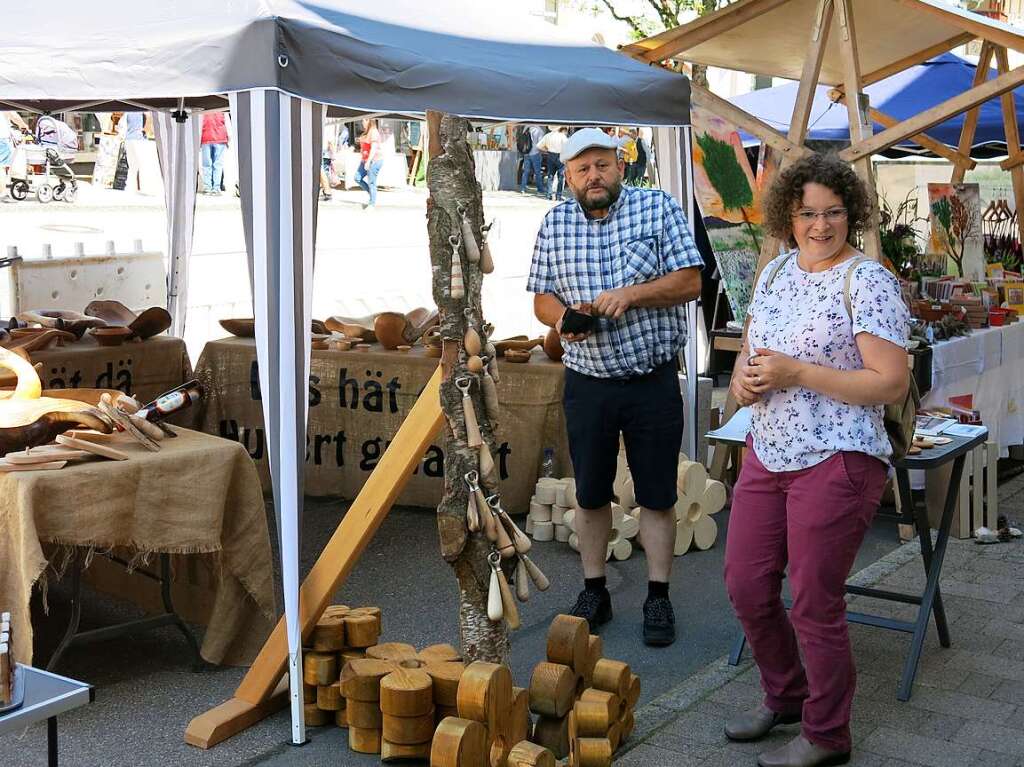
(971, 119)
(1012, 142)
(860, 125)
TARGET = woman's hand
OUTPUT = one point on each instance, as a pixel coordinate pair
(768, 370)
(741, 393)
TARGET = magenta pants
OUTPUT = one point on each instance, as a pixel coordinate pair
(812, 521)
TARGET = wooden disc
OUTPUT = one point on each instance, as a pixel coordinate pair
(622, 550)
(329, 698)
(316, 717)
(309, 693)
(634, 691)
(350, 653)
(714, 498)
(395, 752)
(360, 679)
(684, 538)
(364, 741)
(611, 701)
(553, 734)
(439, 653)
(459, 743)
(364, 715)
(527, 754)
(628, 723)
(485, 694)
(407, 730)
(595, 752)
(319, 668)
(552, 689)
(595, 651)
(568, 640)
(543, 531)
(406, 693)
(361, 629)
(391, 651)
(520, 724)
(341, 717)
(612, 676)
(446, 678)
(329, 632)
(692, 479)
(615, 736)
(594, 717)
(705, 532)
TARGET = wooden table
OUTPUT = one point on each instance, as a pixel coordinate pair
(357, 401)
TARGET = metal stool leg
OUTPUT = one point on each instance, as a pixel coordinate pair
(737, 650)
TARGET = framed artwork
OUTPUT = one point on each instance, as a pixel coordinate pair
(956, 243)
(1014, 296)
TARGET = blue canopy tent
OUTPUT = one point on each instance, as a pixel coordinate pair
(901, 96)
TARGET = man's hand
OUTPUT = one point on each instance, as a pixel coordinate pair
(574, 337)
(613, 303)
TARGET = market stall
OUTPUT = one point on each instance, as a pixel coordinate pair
(283, 66)
(358, 400)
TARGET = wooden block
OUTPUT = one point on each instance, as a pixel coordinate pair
(540, 512)
(568, 642)
(406, 693)
(628, 526)
(527, 754)
(543, 531)
(552, 734)
(439, 653)
(547, 490)
(446, 678)
(459, 743)
(361, 629)
(341, 717)
(552, 689)
(609, 700)
(705, 533)
(615, 736)
(692, 480)
(627, 499)
(594, 717)
(364, 715)
(684, 538)
(350, 653)
(360, 679)
(520, 725)
(595, 651)
(562, 533)
(569, 519)
(634, 691)
(317, 717)
(558, 514)
(309, 693)
(714, 498)
(319, 668)
(329, 632)
(395, 651)
(612, 676)
(628, 723)
(485, 695)
(622, 550)
(595, 752)
(395, 752)
(364, 741)
(329, 697)
(408, 730)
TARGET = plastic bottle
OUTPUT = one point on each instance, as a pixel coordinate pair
(547, 464)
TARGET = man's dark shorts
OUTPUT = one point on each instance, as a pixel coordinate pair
(648, 410)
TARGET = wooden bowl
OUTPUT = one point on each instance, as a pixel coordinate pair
(517, 343)
(151, 322)
(517, 355)
(553, 346)
(111, 336)
(242, 327)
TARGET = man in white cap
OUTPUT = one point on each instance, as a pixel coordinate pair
(611, 272)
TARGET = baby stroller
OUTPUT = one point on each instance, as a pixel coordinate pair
(51, 178)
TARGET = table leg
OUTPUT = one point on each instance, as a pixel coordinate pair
(737, 650)
(76, 610)
(51, 741)
(165, 593)
(924, 536)
(934, 560)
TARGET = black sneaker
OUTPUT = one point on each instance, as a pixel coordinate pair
(659, 622)
(595, 606)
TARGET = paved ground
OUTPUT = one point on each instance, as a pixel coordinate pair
(967, 707)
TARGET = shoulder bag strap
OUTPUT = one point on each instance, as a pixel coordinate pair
(857, 260)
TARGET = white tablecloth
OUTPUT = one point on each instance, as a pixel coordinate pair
(989, 364)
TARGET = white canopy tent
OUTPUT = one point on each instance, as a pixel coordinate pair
(285, 64)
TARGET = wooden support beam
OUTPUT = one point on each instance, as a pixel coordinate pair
(860, 125)
(702, 97)
(971, 119)
(232, 716)
(937, 114)
(916, 58)
(1012, 162)
(1012, 141)
(969, 23)
(336, 561)
(922, 139)
(704, 28)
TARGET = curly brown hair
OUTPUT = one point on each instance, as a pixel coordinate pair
(787, 191)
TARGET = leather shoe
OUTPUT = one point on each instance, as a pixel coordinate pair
(756, 723)
(800, 752)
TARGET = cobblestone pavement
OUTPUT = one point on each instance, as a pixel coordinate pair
(967, 706)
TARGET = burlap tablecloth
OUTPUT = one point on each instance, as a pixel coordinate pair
(357, 402)
(198, 495)
(145, 369)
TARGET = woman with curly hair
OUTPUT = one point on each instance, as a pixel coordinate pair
(824, 353)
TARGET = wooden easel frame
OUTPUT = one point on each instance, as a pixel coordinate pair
(836, 16)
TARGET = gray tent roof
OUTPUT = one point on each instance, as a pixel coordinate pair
(469, 57)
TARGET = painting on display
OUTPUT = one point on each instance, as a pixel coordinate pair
(956, 244)
(729, 198)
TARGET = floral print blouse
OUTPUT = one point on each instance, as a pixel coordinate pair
(803, 314)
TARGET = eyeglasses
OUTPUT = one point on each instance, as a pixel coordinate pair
(832, 215)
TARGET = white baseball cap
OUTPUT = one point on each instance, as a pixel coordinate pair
(587, 138)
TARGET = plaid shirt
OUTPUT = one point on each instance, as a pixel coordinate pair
(643, 237)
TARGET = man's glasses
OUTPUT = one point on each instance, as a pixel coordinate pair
(832, 215)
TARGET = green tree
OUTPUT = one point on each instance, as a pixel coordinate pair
(727, 177)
